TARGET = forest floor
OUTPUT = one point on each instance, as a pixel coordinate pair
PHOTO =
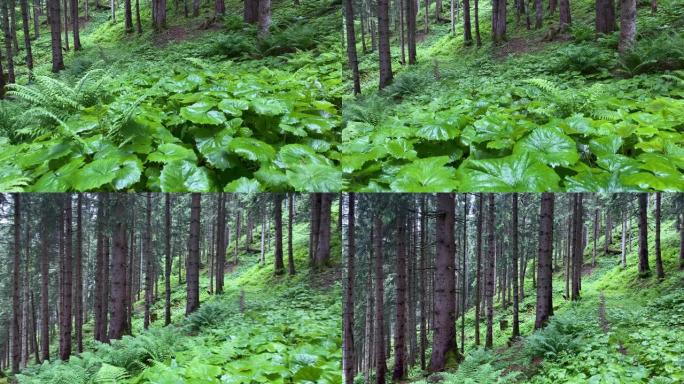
(263, 328)
(207, 99)
(624, 329)
(545, 108)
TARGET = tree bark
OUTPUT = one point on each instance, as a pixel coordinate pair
(380, 364)
(514, 251)
(498, 21)
(27, 34)
(147, 251)
(385, 57)
(278, 219)
(45, 283)
(627, 25)
(264, 18)
(348, 326)
(478, 272)
(544, 265)
(290, 223)
(467, 29)
(192, 268)
(643, 235)
(322, 255)
(78, 288)
(489, 272)
(478, 39)
(658, 259)
(400, 285)
(66, 307)
(565, 15)
(167, 261)
(605, 16)
(251, 11)
(56, 35)
(444, 346)
(410, 12)
(74, 25)
(118, 281)
(423, 281)
(8, 43)
(352, 57)
(221, 243)
(16, 286)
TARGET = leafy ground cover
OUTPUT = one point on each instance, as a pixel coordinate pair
(191, 109)
(530, 115)
(625, 329)
(263, 329)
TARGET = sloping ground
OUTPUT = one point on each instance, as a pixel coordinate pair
(625, 329)
(263, 329)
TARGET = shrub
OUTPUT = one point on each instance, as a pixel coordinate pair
(407, 84)
(296, 37)
(586, 59)
(581, 33)
(209, 315)
(561, 335)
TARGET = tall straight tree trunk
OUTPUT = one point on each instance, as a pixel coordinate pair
(147, 251)
(290, 223)
(478, 268)
(384, 44)
(478, 39)
(410, 12)
(66, 308)
(56, 35)
(489, 272)
(264, 18)
(128, 16)
(565, 15)
(400, 285)
(221, 243)
(251, 11)
(78, 270)
(539, 14)
(74, 25)
(44, 286)
(7, 29)
(596, 233)
(658, 260)
(628, 11)
(444, 346)
(514, 251)
(138, 24)
(16, 285)
(159, 13)
(605, 16)
(315, 200)
(100, 270)
(66, 24)
(544, 265)
(467, 29)
(37, 8)
(167, 261)
(498, 21)
(643, 235)
(117, 278)
(195, 8)
(279, 267)
(577, 248)
(352, 58)
(348, 326)
(423, 280)
(379, 334)
(192, 268)
(27, 33)
(237, 235)
(322, 255)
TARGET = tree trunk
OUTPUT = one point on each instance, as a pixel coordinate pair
(278, 216)
(352, 58)
(423, 281)
(539, 14)
(221, 243)
(544, 267)
(264, 18)
(489, 272)
(45, 282)
(192, 268)
(514, 250)
(627, 25)
(643, 235)
(290, 223)
(16, 284)
(195, 7)
(147, 251)
(322, 255)
(167, 261)
(348, 326)
(219, 8)
(478, 272)
(56, 33)
(251, 11)
(577, 248)
(498, 21)
(27, 34)
(128, 17)
(410, 12)
(66, 284)
(159, 13)
(467, 29)
(74, 25)
(605, 16)
(8, 46)
(444, 346)
(36, 19)
(385, 57)
(117, 291)
(66, 25)
(78, 270)
(400, 285)
(380, 364)
(658, 260)
(478, 39)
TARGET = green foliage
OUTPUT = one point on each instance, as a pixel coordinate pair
(562, 336)
(477, 368)
(585, 59)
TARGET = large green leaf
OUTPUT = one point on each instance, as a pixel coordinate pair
(549, 145)
(315, 178)
(201, 113)
(519, 172)
(169, 152)
(243, 185)
(184, 176)
(425, 175)
(252, 149)
(95, 174)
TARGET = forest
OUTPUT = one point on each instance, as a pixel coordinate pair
(489, 288)
(196, 96)
(170, 288)
(514, 96)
